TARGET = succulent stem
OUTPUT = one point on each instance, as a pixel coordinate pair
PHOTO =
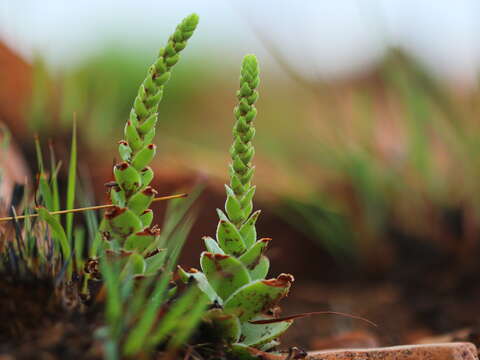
(131, 193)
(234, 266)
(240, 193)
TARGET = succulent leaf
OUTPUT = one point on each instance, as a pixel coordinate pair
(260, 334)
(252, 257)
(149, 123)
(221, 215)
(124, 150)
(248, 230)
(140, 201)
(117, 195)
(233, 208)
(229, 238)
(123, 221)
(144, 157)
(127, 177)
(257, 297)
(202, 283)
(212, 245)
(146, 175)
(147, 217)
(132, 136)
(246, 201)
(225, 273)
(141, 240)
(260, 271)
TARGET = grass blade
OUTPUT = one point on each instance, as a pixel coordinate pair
(178, 311)
(59, 234)
(54, 168)
(189, 321)
(72, 176)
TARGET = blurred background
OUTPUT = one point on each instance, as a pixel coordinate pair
(367, 145)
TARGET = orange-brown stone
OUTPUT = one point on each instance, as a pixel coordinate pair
(446, 351)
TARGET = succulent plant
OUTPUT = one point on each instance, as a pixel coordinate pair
(128, 223)
(234, 266)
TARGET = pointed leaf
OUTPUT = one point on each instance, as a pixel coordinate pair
(257, 297)
(201, 281)
(140, 201)
(132, 137)
(146, 175)
(144, 157)
(147, 217)
(156, 262)
(221, 215)
(212, 245)
(260, 271)
(148, 137)
(233, 206)
(259, 334)
(248, 230)
(247, 201)
(229, 238)
(253, 255)
(236, 185)
(225, 273)
(148, 124)
(141, 240)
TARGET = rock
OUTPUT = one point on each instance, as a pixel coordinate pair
(446, 351)
(15, 89)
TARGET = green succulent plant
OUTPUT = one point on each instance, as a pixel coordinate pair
(128, 224)
(234, 266)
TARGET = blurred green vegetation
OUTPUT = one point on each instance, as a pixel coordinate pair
(356, 165)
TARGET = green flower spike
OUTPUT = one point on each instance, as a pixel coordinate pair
(128, 223)
(234, 267)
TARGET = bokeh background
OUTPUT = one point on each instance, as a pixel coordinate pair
(367, 146)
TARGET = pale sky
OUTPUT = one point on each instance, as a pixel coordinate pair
(321, 39)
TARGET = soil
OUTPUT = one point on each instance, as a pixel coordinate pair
(34, 324)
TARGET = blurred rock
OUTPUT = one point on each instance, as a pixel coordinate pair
(471, 334)
(15, 89)
(13, 169)
(348, 340)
